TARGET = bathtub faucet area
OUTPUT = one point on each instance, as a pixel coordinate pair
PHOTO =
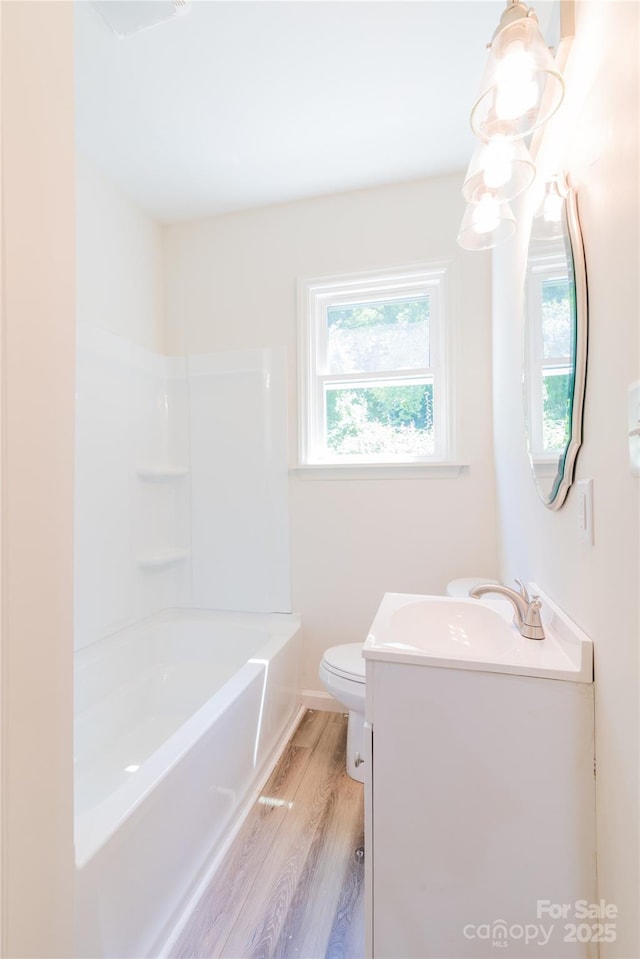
(526, 614)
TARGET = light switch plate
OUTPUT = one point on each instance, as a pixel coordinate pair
(584, 489)
(633, 424)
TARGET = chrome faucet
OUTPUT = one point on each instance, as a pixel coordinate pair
(526, 614)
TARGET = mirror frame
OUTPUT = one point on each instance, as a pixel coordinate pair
(566, 462)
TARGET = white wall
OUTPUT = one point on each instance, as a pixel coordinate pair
(230, 283)
(38, 320)
(596, 139)
(120, 287)
(130, 412)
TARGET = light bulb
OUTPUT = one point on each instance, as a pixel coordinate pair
(552, 207)
(497, 162)
(486, 223)
(517, 90)
(514, 101)
(548, 220)
(516, 66)
(486, 214)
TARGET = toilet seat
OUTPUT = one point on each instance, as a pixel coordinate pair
(345, 662)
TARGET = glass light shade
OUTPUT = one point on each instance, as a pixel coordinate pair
(503, 166)
(548, 222)
(521, 87)
(486, 223)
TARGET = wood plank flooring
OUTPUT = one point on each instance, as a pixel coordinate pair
(291, 886)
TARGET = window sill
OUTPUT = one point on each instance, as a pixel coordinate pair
(367, 471)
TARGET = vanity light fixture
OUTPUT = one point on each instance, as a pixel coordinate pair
(501, 165)
(521, 84)
(521, 88)
(547, 221)
(486, 223)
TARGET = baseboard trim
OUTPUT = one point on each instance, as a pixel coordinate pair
(320, 700)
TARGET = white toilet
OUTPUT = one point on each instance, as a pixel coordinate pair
(462, 587)
(342, 673)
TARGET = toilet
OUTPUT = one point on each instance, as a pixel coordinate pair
(342, 673)
(462, 587)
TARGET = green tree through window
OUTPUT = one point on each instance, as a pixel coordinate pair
(376, 376)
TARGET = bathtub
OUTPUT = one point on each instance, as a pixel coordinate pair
(177, 722)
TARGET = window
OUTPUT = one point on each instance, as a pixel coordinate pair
(551, 348)
(373, 365)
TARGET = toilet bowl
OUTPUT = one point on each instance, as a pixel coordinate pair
(342, 674)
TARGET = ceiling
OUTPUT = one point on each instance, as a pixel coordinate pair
(242, 104)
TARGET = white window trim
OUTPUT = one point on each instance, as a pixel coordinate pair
(313, 297)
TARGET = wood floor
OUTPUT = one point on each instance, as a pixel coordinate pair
(291, 884)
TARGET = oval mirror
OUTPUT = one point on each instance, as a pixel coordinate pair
(555, 342)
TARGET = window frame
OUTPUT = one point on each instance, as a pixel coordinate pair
(546, 268)
(315, 297)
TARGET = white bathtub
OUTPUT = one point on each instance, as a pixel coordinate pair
(176, 722)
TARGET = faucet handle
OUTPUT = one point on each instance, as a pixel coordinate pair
(532, 627)
(523, 591)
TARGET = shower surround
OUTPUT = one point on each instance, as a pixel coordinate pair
(181, 483)
(180, 704)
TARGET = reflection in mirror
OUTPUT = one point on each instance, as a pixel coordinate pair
(555, 342)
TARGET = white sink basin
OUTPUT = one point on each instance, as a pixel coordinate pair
(455, 628)
(477, 634)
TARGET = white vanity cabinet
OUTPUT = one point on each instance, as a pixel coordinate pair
(480, 811)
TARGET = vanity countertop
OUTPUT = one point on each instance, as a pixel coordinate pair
(476, 634)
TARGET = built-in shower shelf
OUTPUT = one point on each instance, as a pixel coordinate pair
(161, 558)
(161, 474)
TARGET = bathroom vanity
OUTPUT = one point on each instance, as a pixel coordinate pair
(480, 793)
